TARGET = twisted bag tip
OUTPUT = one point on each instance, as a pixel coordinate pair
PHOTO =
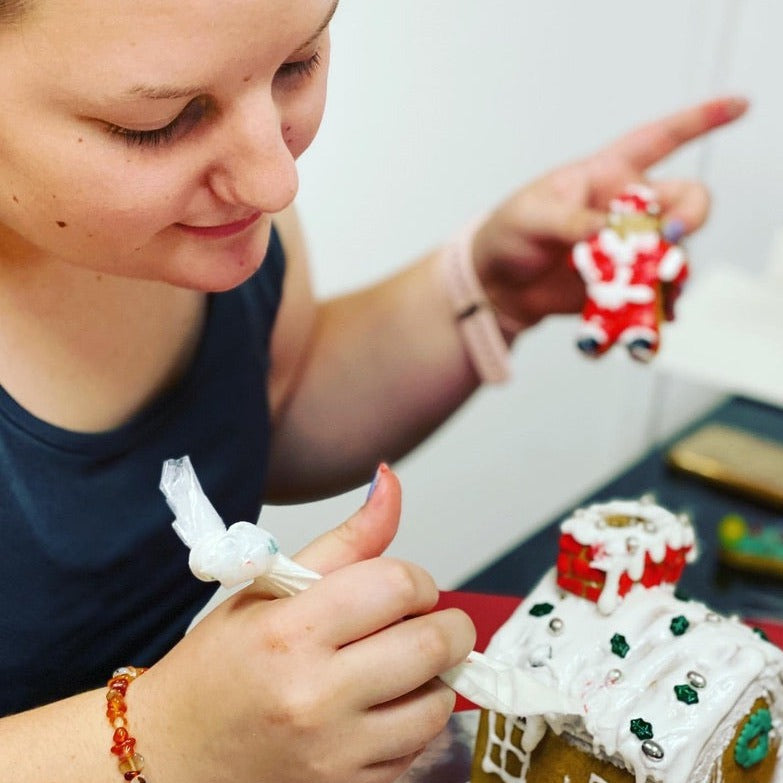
(195, 517)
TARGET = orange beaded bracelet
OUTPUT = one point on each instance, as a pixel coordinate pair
(130, 762)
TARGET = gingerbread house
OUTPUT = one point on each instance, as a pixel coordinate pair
(668, 690)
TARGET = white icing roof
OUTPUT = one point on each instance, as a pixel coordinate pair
(734, 662)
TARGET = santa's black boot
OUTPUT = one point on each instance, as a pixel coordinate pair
(589, 346)
(642, 350)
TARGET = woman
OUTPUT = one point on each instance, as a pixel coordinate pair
(151, 310)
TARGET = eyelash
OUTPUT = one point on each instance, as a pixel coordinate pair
(187, 119)
(301, 68)
(192, 114)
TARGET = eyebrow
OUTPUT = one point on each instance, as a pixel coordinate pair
(164, 92)
(321, 27)
(169, 93)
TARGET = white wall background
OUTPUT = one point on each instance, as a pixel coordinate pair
(439, 108)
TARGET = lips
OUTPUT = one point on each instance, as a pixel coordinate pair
(222, 230)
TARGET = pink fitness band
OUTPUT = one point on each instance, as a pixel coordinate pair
(476, 321)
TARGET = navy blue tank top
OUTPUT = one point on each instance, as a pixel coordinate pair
(92, 575)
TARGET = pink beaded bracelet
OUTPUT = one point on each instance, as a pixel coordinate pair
(123, 746)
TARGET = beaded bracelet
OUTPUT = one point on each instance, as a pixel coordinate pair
(130, 762)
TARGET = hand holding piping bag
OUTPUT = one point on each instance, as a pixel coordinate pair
(245, 553)
(336, 682)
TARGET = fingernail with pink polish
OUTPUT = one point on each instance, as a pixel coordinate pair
(382, 468)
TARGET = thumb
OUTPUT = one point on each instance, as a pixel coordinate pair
(362, 536)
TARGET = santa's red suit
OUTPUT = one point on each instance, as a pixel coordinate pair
(624, 277)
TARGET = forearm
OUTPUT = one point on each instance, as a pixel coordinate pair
(64, 742)
(385, 367)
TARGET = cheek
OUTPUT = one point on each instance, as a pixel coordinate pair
(133, 191)
(303, 116)
(299, 135)
(104, 202)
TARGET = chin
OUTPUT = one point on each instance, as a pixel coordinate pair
(221, 267)
(214, 278)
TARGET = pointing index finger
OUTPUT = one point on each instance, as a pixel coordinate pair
(645, 146)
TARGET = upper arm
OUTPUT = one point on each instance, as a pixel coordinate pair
(295, 318)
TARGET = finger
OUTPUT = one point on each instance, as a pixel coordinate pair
(685, 206)
(386, 771)
(403, 727)
(362, 536)
(402, 657)
(365, 597)
(643, 147)
(559, 219)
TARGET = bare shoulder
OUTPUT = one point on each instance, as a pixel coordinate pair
(296, 316)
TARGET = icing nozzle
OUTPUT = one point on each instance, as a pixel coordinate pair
(505, 688)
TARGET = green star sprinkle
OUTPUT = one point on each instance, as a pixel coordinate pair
(641, 728)
(619, 645)
(539, 610)
(679, 625)
(686, 694)
(761, 634)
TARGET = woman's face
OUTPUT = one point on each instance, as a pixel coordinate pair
(154, 139)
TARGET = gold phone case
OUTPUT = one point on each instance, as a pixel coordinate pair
(733, 458)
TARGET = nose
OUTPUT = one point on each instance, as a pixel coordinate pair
(253, 165)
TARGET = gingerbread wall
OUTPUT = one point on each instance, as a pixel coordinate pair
(554, 759)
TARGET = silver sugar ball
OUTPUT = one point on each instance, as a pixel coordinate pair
(647, 499)
(556, 626)
(613, 676)
(652, 750)
(696, 680)
(631, 545)
(711, 617)
(650, 526)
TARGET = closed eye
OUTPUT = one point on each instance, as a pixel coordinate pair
(182, 124)
(300, 69)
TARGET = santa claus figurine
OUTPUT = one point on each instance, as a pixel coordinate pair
(632, 275)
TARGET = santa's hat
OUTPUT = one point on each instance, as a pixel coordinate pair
(635, 199)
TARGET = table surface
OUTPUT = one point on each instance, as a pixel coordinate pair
(447, 759)
(726, 589)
